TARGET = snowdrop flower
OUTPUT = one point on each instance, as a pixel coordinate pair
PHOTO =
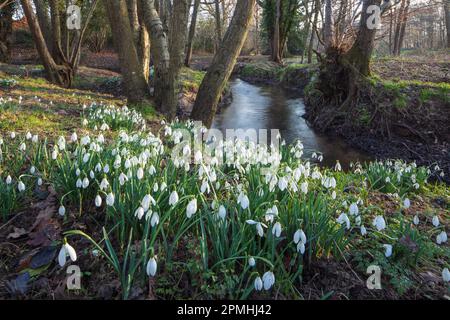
(140, 173)
(268, 280)
(8, 179)
(363, 231)
(258, 284)
(33, 170)
(155, 219)
(388, 250)
(28, 136)
(66, 250)
(191, 208)
(77, 172)
(13, 135)
(86, 157)
(173, 198)
(379, 223)
(21, 186)
(304, 187)
(299, 235)
(416, 220)
(406, 203)
(446, 275)
(85, 183)
(343, 219)
(104, 184)
(79, 183)
(251, 262)
(151, 267)
(62, 211)
(147, 201)
(338, 167)
(276, 230)
(152, 170)
(110, 199)
(106, 169)
(122, 179)
(354, 209)
(222, 212)
(39, 182)
(282, 183)
(435, 221)
(243, 201)
(441, 237)
(23, 147)
(35, 138)
(301, 247)
(98, 201)
(139, 213)
(74, 137)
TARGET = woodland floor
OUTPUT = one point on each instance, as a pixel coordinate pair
(25, 239)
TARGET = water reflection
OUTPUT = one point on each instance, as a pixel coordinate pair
(271, 107)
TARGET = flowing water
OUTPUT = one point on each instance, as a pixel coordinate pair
(271, 107)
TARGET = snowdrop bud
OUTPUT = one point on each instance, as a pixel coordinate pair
(260, 230)
(155, 219)
(21, 186)
(98, 201)
(304, 187)
(151, 267)
(343, 219)
(446, 275)
(301, 247)
(62, 211)
(13, 135)
(173, 198)
(92, 174)
(106, 169)
(251, 262)
(74, 137)
(222, 212)
(86, 157)
(388, 250)
(258, 284)
(416, 220)
(33, 170)
(191, 208)
(435, 221)
(39, 182)
(28, 135)
(110, 199)
(441, 237)
(8, 179)
(244, 201)
(66, 250)
(35, 138)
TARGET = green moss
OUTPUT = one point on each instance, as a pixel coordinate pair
(261, 70)
(191, 79)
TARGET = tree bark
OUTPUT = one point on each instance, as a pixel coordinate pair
(313, 30)
(328, 25)
(44, 21)
(191, 36)
(218, 24)
(134, 82)
(276, 33)
(223, 63)
(447, 20)
(6, 14)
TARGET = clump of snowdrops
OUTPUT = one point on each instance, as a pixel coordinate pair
(264, 215)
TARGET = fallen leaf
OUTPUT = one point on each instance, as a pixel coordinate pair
(18, 232)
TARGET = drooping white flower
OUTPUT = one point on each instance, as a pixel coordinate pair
(363, 231)
(110, 199)
(191, 208)
(379, 223)
(155, 219)
(152, 266)
(388, 250)
(406, 203)
(21, 186)
(416, 220)
(304, 187)
(258, 284)
(85, 183)
(354, 209)
(66, 250)
(39, 182)
(147, 201)
(79, 183)
(260, 230)
(139, 213)
(435, 221)
(251, 262)
(282, 183)
(122, 178)
(301, 247)
(104, 184)
(62, 211)
(74, 137)
(222, 212)
(32, 169)
(140, 173)
(243, 200)
(173, 198)
(299, 235)
(441, 237)
(8, 179)
(343, 219)
(268, 280)
(98, 201)
(446, 275)
(276, 229)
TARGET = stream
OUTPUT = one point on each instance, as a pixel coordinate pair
(272, 107)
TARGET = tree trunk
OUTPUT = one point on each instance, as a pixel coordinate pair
(447, 20)
(276, 33)
(328, 25)
(136, 87)
(43, 16)
(59, 74)
(218, 24)
(313, 30)
(6, 14)
(223, 63)
(187, 61)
